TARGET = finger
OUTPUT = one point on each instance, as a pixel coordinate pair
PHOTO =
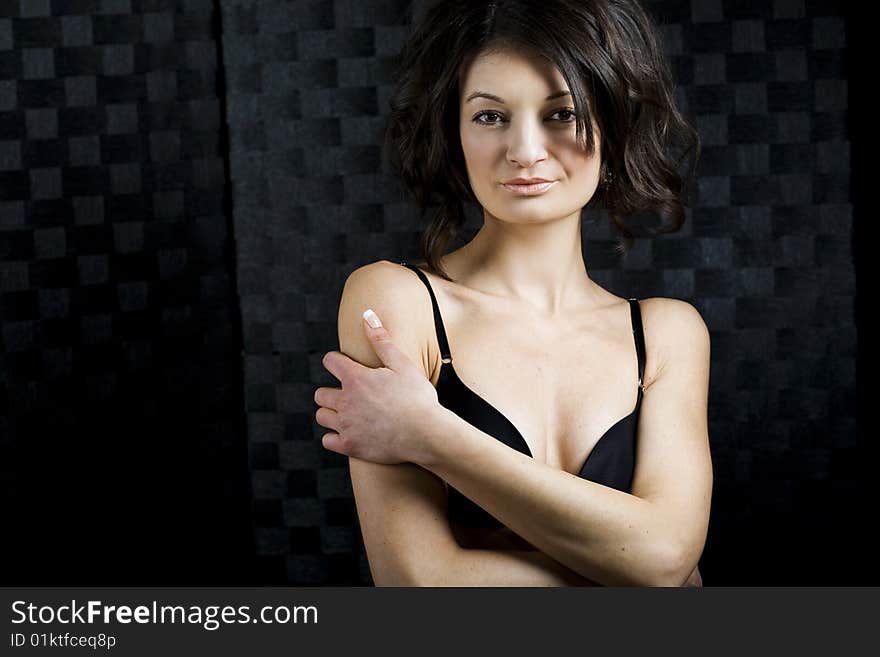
(382, 343)
(341, 366)
(327, 418)
(333, 442)
(333, 363)
(328, 397)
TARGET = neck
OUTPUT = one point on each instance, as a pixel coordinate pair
(539, 265)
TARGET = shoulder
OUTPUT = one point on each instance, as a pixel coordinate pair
(401, 301)
(674, 331)
(380, 268)
(385, 271)
(673, 315)
(389, 285)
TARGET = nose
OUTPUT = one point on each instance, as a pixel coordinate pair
(527, 142)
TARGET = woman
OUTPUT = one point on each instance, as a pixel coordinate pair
(568, 443)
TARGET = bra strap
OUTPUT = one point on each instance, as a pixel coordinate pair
(438, 320)
(639, 337)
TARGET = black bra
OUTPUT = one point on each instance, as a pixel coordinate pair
(611, 461)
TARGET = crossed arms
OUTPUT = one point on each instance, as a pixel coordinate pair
(585, 533)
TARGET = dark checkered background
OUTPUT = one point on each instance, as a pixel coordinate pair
(184, 187)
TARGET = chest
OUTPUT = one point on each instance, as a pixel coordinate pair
(562, 386)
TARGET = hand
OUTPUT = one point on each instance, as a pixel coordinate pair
(379, 413)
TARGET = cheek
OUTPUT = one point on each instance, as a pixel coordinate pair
(587, 168)
(580, 165)
(477, 155)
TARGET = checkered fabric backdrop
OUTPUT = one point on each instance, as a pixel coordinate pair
(123, 451)
(118, 265)
(765, 256)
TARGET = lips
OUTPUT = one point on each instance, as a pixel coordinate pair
(525, 181)
(528, 189)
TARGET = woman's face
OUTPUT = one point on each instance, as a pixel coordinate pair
(522, 134)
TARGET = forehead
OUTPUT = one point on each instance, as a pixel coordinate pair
(512, 75)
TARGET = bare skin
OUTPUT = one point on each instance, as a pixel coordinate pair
(503, 538)
(549, 348)
(470, 315)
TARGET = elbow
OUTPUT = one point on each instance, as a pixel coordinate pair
(682, 566)
(670, 570)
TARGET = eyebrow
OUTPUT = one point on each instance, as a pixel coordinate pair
(485, 94)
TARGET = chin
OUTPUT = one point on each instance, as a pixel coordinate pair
(537, 209)
(513, 217)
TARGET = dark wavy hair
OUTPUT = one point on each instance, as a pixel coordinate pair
(609, 53)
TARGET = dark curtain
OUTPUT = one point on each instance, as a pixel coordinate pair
(185, 186)
(123, 436)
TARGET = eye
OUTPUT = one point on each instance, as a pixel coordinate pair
(482, 114)
(568, 111)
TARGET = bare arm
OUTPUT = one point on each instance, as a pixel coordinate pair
(402, 508)
(504, 539)
(650, 537)
(519, 568)
(606, 535)
(504, 568)
(402, 513)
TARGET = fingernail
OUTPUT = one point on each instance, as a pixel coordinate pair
(372, 318)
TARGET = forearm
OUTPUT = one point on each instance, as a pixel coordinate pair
(504, 539)
(478, 567)
(603, 534)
